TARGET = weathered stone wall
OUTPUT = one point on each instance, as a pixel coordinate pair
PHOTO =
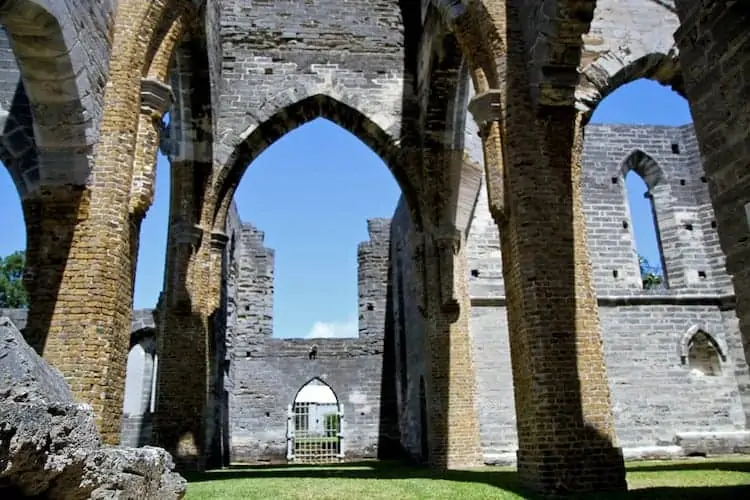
(273, 55)
(266, 373)
(655, 395)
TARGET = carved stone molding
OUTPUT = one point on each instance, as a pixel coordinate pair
(486, 107)
(219, 240)
(156, 97)
(448, 242)
(188, 234)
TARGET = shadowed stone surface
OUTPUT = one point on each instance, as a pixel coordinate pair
(50, 447)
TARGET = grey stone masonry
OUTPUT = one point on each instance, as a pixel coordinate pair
(265, 374)
(61, 54)
(664, 403)
(275, 54)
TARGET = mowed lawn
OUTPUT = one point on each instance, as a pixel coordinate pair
(716, 479)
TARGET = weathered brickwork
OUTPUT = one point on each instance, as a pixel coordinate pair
(80, 137)
(654, 392)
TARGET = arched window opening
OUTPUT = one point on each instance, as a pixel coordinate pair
(316, 420)
(12, 245)
(643, 103)
(310, 206)
(644, 222)
(140, 385)
(704, 356)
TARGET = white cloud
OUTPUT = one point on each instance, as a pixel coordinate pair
(334, 329)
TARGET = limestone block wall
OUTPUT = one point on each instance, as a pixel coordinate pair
(656, 396)
(269, 55)
(266, 373)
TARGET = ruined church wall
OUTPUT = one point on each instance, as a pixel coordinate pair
(268, 372)
(274, 54)
(655, 396)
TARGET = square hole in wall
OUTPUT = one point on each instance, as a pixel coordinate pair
(614, 180)
(689, 227)
(625, 224)
(676, 148)
(702, 274)
(682, 182)
(615, 273)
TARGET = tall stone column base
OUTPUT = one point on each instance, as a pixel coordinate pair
(600, 470)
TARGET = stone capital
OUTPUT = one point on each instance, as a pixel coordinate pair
(187, 234)
(449, 239)
(156, 97)
(486, 107)
(219, 240)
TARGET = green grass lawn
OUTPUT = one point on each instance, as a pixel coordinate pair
(716, 479)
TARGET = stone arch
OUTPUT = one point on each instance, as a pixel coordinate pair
(642, 48)
(645, 166)
(650, 172)
(445, 113)
(475, 30)
(610, 72)
(684, 345)
(54, 76)
(284, 114)
(316, 421)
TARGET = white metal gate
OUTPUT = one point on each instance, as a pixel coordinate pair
(315, 433)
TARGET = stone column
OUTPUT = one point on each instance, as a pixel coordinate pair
(564, 418)
(185, 416)
(450, 379)
(183, 350)
(156, 98)
(715, 61)
(81, 267)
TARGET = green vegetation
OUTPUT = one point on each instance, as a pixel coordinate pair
(12, 292)
(652, 276)
(332, 424)
(690, 479)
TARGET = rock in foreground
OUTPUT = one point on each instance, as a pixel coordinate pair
(49, 444)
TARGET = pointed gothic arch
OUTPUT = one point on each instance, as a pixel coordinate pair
(701, 351)
(650, 172)
(282, 120)
(55, 83)
(315, 422)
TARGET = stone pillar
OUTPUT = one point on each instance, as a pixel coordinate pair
(443, 299)
(80, 276)
(156, 98)
(185, 416)
(52, 215)
(715, 61)
(564, 419)
(183, 350)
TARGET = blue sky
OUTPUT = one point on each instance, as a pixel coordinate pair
(312, 192)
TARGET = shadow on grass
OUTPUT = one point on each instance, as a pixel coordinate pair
(500, 477)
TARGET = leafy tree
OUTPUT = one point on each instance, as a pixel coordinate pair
(12, 292)
(652, 276)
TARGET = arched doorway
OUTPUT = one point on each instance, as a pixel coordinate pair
(314, 425)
